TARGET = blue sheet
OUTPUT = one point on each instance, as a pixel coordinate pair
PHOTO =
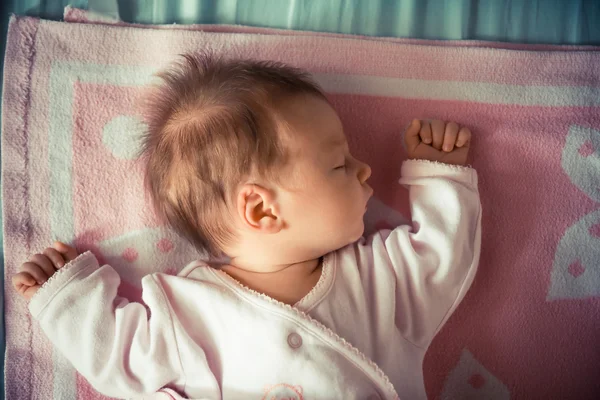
(522, 21)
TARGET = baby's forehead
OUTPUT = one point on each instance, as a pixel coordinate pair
(309, 121)
(311, 145)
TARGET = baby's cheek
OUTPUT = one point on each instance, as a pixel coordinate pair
(346, 209)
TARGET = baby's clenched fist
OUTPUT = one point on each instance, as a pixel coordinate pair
(40, 267)
(438, 141)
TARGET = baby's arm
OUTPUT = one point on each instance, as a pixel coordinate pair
(114, 344)
(436, 258)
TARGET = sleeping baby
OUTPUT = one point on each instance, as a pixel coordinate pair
(248, 159)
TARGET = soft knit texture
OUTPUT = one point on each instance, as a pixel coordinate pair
(529, 326)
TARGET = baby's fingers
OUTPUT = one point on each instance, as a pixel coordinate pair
(425, 132)
(23, 279)
(438, 128)
(25, 284)
(44, 262)
(411, 135)
(68, 253)
(57, 259)
(464, 137)
(33, 269)
(450, 134)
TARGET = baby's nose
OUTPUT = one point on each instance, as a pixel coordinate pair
(364, 172)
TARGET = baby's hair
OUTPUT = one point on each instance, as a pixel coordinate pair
(211, 122)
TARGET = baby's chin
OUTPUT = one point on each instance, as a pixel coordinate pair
(345, 235)
(357, 233)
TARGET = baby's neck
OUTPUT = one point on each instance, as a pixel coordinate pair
(287, 283)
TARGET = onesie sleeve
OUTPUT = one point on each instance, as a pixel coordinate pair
(434, 259)
(120, 347)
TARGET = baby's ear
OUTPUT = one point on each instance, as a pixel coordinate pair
(258, 209)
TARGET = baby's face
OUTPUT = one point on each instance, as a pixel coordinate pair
(325, 199)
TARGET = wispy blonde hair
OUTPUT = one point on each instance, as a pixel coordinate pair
(211, 121)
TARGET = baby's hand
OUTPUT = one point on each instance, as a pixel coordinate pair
(438, 141)
(40, 267)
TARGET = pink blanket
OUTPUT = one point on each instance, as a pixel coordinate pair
(530, 326)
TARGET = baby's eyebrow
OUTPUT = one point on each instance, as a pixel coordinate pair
(333, 143)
